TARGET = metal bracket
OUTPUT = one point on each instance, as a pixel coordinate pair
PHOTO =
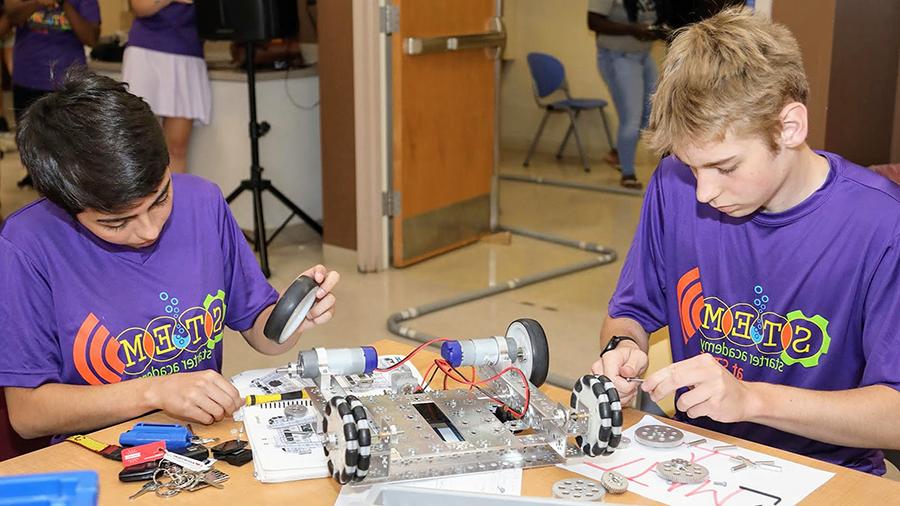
(390, 204)
(390, 19)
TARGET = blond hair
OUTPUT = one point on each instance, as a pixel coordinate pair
(732, 72)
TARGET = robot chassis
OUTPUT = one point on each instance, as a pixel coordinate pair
(504, 422)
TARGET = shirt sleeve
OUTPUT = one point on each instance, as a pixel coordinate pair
(881, 319)
(31, 354)
(247, 292)
(640, 293)
(602, 7)
(89, 10)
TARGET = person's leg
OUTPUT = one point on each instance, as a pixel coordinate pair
(606, 69)
(178, 136)
(651, 77)
(8, 58)
(626, 76)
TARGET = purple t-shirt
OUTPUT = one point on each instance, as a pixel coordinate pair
(46, 46)
(808, 297)
(77, 310)
(171, 30)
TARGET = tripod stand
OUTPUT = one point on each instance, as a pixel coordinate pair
(256, 184)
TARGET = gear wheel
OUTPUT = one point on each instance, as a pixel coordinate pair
(812, 360)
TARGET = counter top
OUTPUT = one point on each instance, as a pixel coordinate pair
(220, 70)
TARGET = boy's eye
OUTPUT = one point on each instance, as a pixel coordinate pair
(116, 228)
(725, 171)
(160, 201)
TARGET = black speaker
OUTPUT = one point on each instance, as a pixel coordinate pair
(247, 20)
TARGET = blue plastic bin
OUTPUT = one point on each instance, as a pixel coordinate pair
(70, 488)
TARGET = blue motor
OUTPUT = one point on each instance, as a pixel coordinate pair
(524, 346)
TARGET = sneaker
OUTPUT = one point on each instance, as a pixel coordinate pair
(631, 183)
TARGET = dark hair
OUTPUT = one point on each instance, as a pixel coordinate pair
(92, 145)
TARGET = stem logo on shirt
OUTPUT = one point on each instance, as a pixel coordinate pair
(177, 341)
(49, 21)
(747, 331)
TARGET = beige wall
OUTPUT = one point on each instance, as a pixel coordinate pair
(558, 28)
(114, 16)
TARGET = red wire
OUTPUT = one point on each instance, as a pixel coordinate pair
(444, 366)
(417, 350)
(427, 372)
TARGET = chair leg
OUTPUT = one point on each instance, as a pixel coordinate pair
(537, 137)
(562, 147)
(584, 162)
(606, 128)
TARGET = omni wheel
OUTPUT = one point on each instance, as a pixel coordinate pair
(343, 457)
(601, 400)
(529, 335)
(363, 437)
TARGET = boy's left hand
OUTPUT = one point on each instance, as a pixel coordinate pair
(323, 310)
(714, 392)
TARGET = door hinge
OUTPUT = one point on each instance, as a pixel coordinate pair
(390, 204)
(390, 19)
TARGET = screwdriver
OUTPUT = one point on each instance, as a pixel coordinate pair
(253, 400)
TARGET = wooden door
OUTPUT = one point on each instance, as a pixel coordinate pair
(443, 108)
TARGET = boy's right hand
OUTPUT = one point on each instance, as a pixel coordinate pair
(626, 360)
(200, 396)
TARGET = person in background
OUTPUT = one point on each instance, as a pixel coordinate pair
(164, 65)
(50, 38)
(624, 39)
(7, 40)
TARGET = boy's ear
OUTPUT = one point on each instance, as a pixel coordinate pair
(794, 125)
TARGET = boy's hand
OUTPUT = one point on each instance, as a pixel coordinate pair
(323, 310)
(626, 360)
(714, 392)
(201, 396)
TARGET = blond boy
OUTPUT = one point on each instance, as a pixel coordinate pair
(775, 267)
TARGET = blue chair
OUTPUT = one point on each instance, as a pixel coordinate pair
(548, 76)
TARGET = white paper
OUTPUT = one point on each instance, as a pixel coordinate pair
(505, 482)
(637, 463)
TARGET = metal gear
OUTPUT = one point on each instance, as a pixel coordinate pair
(681, 471)
(658, 436)
(614, 483)
(578, 490)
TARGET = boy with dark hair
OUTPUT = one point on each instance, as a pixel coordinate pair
(124, 271)
(774, 266)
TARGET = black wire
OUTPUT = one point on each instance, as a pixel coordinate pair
(433, 374)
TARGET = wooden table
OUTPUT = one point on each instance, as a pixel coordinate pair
(846, 487)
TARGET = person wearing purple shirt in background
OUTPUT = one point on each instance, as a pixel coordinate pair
(775, 267)
(50, 38)
(164, 65)
(118, 283)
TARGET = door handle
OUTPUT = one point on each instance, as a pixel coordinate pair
(494, 39)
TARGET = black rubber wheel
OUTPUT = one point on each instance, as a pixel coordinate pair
(292, 300)
(540, 364)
